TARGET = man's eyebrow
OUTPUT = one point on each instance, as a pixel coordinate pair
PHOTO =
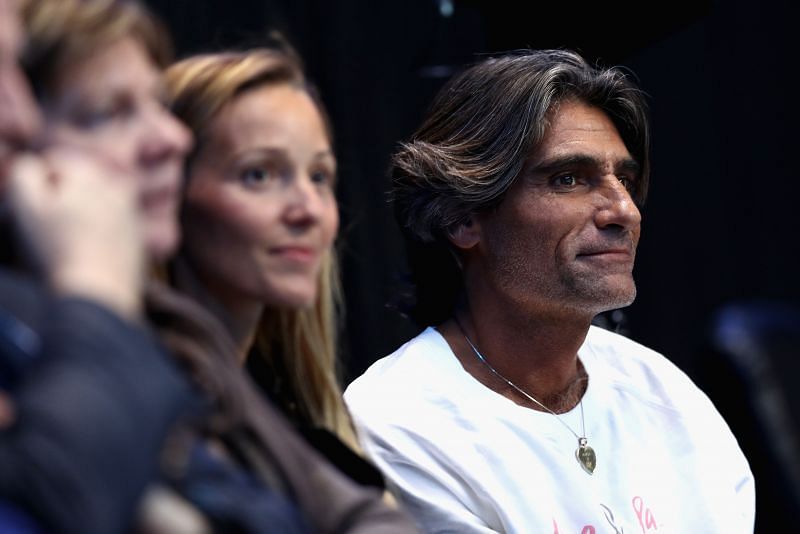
(583, 160)
(629, 165)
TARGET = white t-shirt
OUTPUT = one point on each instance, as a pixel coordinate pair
(465, 459)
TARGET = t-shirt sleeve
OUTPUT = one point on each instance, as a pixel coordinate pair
(428, 483)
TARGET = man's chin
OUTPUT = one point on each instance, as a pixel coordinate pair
(601, 300)
(619, 300)
(606, 293)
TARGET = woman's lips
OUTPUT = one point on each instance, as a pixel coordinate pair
(295, 253)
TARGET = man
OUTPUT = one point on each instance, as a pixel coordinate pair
(86, 394)
(519, 197)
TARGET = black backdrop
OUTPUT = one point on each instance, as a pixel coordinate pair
(719, 226)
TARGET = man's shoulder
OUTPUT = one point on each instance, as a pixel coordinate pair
(630, 366)
(412, 367)
(619, 351)
(419, 350)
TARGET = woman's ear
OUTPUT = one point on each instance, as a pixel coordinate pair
(465, 234)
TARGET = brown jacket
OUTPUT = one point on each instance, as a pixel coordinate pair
(247, 422)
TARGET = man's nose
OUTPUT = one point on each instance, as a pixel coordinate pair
(617, 207)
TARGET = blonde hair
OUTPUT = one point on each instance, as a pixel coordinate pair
(304, 340)
(61, 32)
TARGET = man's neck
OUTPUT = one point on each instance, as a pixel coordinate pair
(536, 352)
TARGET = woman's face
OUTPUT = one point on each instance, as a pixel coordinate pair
(112, 105)
(260, 212)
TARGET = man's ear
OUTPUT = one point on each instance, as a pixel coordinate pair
(465, 234)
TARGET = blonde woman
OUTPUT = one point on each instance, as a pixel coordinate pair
(235, 465)
(259, 220)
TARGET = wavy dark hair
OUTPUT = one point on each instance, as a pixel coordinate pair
(470, 148)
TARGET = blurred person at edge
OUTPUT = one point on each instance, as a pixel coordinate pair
(259, 218)
(79, 374)
(512, 412)
(95, 67)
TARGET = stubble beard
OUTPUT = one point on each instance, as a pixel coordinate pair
(601, 292)
(578, 293)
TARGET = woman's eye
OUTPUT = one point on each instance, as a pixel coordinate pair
(256, 175)
(322, 178)
(94, 119)
(101, 116)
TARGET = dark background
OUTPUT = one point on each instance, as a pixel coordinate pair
(719, 228)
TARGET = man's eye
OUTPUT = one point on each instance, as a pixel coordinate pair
(627, 182)
(567, 180)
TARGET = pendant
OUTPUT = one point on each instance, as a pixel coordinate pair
(585, 456)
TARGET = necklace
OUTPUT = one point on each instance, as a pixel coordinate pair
(584, 453)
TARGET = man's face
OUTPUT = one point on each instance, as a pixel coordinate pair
(564, 238)
(19, 118)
